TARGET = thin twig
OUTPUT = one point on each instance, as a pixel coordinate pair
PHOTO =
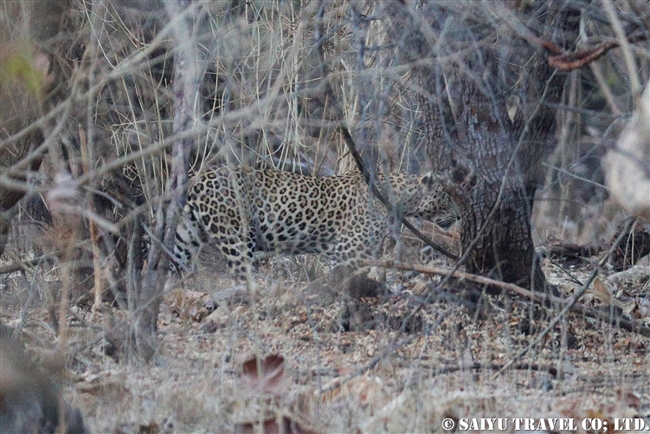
(451, 368)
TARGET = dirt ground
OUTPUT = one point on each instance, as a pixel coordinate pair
(334, 362)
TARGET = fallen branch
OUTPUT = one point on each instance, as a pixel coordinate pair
(538, 297)
(559, 249)
(19, 265)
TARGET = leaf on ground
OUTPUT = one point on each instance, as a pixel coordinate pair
(602, 291)
(602, 415)
(191, 305)
(265, 375)
(628, 398)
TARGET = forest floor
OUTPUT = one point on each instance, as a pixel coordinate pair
(332, 362)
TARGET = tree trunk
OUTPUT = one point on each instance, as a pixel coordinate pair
(482, 67)
(185, 88)
(487, 184)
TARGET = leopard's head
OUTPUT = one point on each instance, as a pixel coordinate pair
(425, 198)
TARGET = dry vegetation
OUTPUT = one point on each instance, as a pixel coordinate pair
(348, 365)
(332, 357)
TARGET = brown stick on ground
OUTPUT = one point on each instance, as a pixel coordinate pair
(539, 297)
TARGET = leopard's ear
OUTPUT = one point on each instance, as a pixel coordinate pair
(428, 180)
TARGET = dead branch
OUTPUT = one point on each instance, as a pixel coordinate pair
(569, 61)
(451, 368)
(538, 297)
(20, 266)
(571, 304)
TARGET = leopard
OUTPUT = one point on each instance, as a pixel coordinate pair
(247, 212)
